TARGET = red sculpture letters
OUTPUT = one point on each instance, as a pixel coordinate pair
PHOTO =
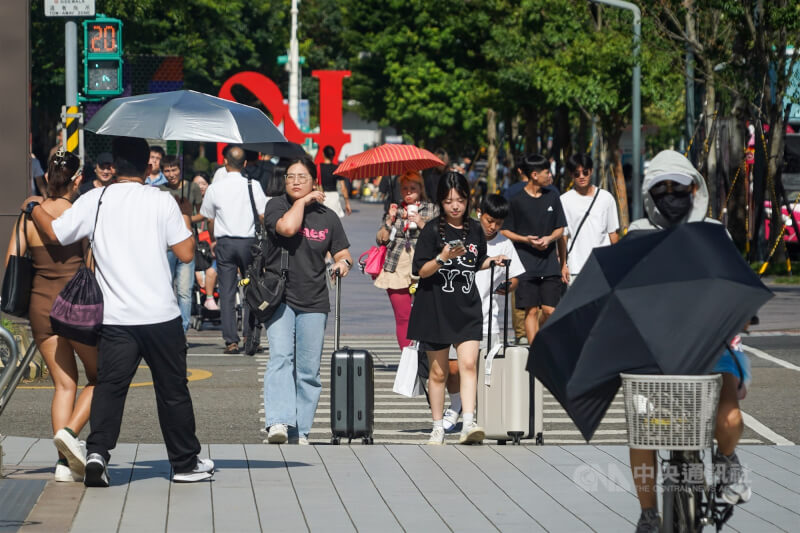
(330, 107)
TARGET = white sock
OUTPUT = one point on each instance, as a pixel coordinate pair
(438, 424)
(469, 418)
(455, 401)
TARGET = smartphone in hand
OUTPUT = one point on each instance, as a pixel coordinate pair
(455, 244)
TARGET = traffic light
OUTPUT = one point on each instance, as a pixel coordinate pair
(102, 56)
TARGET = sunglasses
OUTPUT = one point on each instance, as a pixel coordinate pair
(666, 187)
(585, 172)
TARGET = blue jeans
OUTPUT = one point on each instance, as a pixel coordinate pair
(183, 281)
(292, 383)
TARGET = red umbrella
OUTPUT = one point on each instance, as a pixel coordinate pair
(387, 160)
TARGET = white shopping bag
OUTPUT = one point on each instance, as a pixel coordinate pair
(407, 382)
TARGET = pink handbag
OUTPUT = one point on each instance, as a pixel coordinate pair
(371, 261)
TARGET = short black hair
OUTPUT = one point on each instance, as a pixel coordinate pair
(495, 205)
(307, 162)
(579, 160)
(157, 149)
(329, 151)
(170, 161)
(131, 156)
(533, 163)
(235, 157)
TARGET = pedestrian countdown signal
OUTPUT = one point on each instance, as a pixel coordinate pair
(102, 56)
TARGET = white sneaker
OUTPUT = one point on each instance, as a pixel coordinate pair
(437, 436)
(302, 441)
(278, 434)
(211, 304)
(64, 474)
(204, 469)
(70, 447)
(471, 434)
(450, 420)
(734, 486)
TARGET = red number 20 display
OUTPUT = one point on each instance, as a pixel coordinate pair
(103, 38)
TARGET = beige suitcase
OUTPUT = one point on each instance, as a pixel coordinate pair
(509, 397)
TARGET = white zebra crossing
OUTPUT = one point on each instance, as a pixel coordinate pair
(401, 420)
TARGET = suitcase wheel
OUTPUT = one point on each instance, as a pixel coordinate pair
(334, 440)
(516, 437)
(367, 440)
(502, 442)
(539, 439)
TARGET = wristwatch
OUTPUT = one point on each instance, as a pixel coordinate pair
(348, 263)
(29, 207)
(439, 260)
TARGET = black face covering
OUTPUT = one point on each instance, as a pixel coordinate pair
(674, 205)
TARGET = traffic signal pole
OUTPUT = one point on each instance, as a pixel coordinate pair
(71, 62)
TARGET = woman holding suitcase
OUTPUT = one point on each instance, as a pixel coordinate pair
(299, 222)
(447, 309)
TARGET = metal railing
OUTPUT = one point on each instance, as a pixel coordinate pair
(14, 369)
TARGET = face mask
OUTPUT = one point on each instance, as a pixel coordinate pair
(674, 206)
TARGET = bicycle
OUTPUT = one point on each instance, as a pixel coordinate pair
(678, 414)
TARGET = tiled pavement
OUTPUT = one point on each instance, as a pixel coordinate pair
(260, 487)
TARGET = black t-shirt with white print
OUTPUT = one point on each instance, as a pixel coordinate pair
(536, 216)
(321, 232)
(447, 306)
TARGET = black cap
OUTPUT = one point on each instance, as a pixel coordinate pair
(105, 158)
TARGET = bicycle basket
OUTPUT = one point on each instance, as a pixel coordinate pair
(671, 412)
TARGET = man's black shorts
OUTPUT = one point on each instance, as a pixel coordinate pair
(536, 292)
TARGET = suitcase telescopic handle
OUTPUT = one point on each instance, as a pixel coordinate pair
(337, 316)
(492, 264)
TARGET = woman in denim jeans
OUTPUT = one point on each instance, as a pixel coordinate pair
(299, 223)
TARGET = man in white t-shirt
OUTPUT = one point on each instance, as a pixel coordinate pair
(232, 229)
(492, 213)
(586, 232)
(131, 225)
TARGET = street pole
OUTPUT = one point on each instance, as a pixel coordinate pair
(636, 179)
(71, 61)
(294, 68)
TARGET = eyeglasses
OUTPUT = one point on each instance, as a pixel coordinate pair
(585, 172)
(298, 178)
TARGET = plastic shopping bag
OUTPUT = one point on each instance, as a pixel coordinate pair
(407, 382)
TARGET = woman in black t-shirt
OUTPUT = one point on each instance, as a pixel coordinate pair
(447, 306)
(299, 223)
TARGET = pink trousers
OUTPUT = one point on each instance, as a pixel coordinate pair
(401, 305)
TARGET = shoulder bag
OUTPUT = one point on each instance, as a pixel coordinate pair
(263, 290)
(77, 313)
(18, 279)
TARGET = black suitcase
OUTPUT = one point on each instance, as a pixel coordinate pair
(352, 388)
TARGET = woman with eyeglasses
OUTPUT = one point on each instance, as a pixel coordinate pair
(299, 222)
(54, 266)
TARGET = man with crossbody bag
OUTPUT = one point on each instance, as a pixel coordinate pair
(591, 215)
(232, 227)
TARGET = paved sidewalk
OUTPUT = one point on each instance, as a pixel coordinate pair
(376, 488)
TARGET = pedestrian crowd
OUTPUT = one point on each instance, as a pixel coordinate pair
(160, 259)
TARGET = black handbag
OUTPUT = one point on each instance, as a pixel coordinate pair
(18, 279)
(263, 290)
(77, 313)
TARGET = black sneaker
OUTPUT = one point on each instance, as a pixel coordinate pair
(649, 521)
(251, 343)
(96, 471)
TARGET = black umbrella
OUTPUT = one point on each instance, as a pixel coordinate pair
(663, 303)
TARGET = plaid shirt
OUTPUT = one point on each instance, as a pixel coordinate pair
(427, 211)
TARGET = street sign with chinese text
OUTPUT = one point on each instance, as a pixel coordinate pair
(69, 8)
